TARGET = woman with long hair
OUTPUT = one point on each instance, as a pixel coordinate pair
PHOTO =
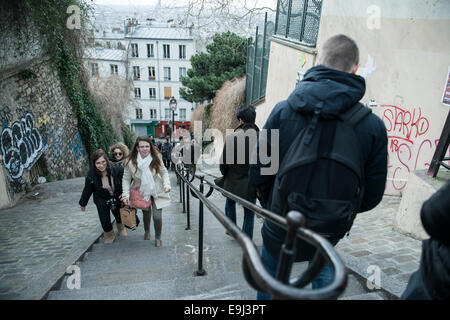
(119, 153)
(105, 182)
(145, 172)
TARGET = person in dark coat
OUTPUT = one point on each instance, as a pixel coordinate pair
(235, 164)
(119, 152)
(333, 85)
(166, 151)
(432, 280)
(104, 181)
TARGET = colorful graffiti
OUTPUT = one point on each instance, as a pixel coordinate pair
(407, 149)
(21, 144)
(77, 147)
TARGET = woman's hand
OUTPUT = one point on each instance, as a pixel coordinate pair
(166, 190)
(124, 200)
(83, 209)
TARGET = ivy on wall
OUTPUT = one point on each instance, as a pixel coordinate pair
(65, 46)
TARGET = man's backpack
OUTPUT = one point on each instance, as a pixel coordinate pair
(322, 174)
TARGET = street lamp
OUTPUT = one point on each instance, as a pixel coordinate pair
(173, 107)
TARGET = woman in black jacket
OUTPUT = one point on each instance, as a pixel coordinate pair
(105, 182)
(432, 280)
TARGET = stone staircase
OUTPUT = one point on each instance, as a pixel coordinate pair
(132, 268)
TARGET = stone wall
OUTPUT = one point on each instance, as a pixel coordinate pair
(39, 135)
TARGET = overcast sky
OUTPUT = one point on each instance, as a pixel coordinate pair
(135, 3)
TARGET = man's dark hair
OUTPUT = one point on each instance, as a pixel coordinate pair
(247, 113)
(340, 53)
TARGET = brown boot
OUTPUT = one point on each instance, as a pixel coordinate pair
(121, 229)
(147, 235)
(109, 236)
(158, 243)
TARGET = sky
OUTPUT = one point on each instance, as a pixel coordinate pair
(260, 3)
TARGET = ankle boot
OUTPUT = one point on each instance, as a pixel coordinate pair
(158, 243)
(121, 229)
(109, 236)
(147, 235)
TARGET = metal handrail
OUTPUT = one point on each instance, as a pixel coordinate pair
(281, 287)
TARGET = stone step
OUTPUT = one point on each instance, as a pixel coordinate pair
(231, 286)
(364, 296)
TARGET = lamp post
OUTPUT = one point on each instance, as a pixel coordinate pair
(173, 107)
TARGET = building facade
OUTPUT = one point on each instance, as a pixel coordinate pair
(154, 58)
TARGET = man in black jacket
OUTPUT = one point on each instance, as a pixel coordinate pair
(234, 166)
(333, 86)
(432, 280)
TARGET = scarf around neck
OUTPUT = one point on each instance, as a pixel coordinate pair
(147, 188)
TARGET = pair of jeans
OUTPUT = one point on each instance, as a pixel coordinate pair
(157, 219)
(103, 211)
(324, 278)
(249, 216)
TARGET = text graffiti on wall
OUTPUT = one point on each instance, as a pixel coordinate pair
(406, 149)
(21, 144)
(77, 147)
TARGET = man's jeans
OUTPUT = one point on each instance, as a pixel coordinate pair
(249, 216)
(324, 278)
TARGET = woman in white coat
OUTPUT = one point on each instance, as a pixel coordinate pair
(144, 170)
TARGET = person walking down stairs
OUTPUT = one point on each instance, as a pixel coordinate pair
(105, 182)
(145, 171)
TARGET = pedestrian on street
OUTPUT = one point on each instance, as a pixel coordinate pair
(432, 280)
(119, 152)
(236, 172)
(322, 108)
(105, 182)
(166, 151)
(145, 171)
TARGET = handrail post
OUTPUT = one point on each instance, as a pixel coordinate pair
(188, 189)
(184, 200)
(200, 271)
(295, 220)
(179, 177)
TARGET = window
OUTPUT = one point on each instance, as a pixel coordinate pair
(182, 51)
(139, 113)
(182, 114)
(152, 93)
(114, 68)
(166, 51)
(168, 113)
(134, 50)
(150, 52)
(136, 73)
(182, 72)
(152, 113)
(94, 69)
(167, 92)
(108, 44)
(137, 92)
(166, 73)
(119, 45)
(151, 73)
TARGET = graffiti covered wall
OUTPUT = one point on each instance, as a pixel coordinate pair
(39, 135)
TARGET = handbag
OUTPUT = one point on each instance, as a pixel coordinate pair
(129, 217)
(137, 200)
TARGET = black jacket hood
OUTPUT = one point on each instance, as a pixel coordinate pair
(334, 90)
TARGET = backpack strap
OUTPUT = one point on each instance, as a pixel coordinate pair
(355, 114)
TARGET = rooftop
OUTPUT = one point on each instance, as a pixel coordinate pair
(105, 54)
(146, 32)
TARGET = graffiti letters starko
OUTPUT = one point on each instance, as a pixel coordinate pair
(21, 144)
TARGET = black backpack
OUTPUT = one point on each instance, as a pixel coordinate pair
(322, 174)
